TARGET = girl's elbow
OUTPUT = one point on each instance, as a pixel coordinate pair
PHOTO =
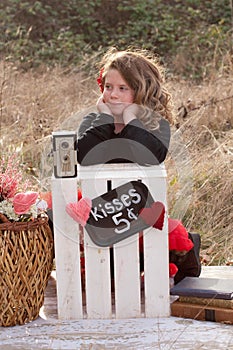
(162, 156)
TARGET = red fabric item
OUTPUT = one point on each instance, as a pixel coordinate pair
(47, 196)
(79, 194)
(100, 79)
(173, 269)
(178, 236)
(80, 211)
(154, 216)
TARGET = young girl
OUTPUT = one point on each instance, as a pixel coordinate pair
(134, 112)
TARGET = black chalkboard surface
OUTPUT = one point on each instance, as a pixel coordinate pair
(115, 215)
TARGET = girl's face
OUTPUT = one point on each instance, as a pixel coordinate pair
(117, 93)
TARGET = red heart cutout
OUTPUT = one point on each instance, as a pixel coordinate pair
(154, 216)
(80, 211)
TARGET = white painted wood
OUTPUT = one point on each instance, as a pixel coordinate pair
(97, 279)
(122, 171)
(156, 258)
(93, 181)
(126, 268)
(127, 278)
(97, 261)
(67, 253)
(126, 256)
(156, 274)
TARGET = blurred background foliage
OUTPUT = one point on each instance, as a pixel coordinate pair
(193, 37)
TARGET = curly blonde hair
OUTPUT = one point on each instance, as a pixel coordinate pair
(145, 76)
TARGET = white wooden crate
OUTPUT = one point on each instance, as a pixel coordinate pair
(103, 298)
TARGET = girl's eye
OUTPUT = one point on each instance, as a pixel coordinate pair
(123, 88)
(107, 86)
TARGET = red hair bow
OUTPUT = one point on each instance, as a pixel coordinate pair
(100, 79)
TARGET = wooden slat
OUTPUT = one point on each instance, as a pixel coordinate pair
(156, 258)
(156, 274)
(67, 253)
(97, 279)
(126, 270)
(127, 278)
(97, 263)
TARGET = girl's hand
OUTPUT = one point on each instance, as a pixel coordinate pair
(131, 112)
(102, 107)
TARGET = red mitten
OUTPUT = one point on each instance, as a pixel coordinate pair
(80, 211)
(154, 216)
(173, 269)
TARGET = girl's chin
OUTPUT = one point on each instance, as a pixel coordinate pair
(117, 108)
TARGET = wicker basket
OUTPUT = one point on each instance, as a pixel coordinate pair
(26, 256)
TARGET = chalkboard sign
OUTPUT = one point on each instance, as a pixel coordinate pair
(115, 215)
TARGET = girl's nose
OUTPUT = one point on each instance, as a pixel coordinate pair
(114, 93)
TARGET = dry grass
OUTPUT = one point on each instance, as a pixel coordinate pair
(201, 193)
(199, 165)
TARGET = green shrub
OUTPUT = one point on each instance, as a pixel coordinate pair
(188, 34)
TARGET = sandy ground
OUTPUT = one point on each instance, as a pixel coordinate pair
(47, 332)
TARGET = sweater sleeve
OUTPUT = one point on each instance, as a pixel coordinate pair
(187, 267)
(98, 144)
(148, 147)
(94, 130)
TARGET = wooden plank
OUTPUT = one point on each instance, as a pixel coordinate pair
(201, 312)
(97, 262)
(156, 273)
(127, 278)
(223, 303)
(126, 270)
(67, 252)
(97, 280)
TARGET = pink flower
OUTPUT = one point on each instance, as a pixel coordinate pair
(10, 178)
(8, 186)
(22, 202)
